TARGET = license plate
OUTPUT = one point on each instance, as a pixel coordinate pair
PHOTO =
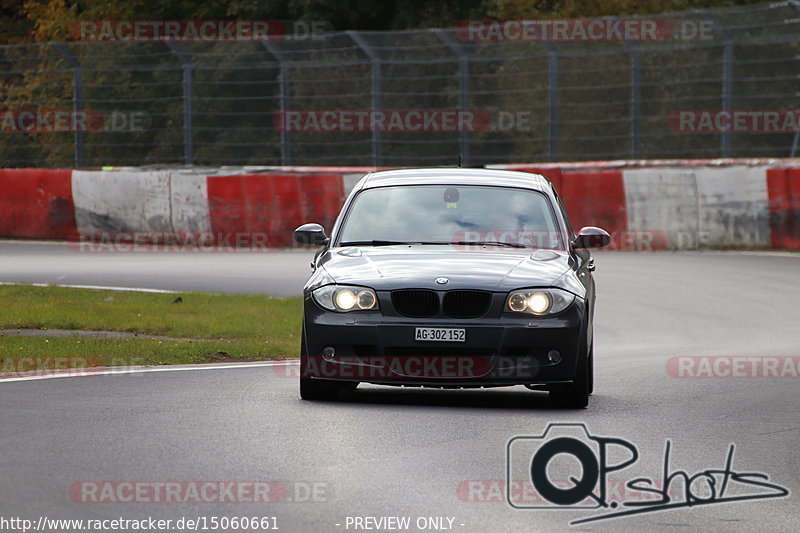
(441, 334)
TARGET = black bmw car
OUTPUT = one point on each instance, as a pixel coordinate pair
(450, 278)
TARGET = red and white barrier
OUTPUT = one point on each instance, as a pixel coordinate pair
(188, 199)
(712, 205)
(36, 204)
(716, 207)
(273, 205)
(645, 205)
(783, 185)
(122, 202)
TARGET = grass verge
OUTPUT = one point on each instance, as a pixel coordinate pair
(201, 327)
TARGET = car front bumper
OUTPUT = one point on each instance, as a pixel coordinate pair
(498, 351)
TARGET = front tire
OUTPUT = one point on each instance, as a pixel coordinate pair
(576, 394)
(591, 369)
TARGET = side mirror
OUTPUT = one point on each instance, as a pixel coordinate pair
(592, 237)
(311, 234)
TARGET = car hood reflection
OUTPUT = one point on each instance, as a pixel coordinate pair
(418, 266)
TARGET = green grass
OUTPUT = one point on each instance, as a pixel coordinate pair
(205, 327)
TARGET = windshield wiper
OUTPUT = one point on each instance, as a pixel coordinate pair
(379, 242)
(376, 242)
(480, 243)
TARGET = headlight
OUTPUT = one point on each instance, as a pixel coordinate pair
(344, 298)
(539, 302)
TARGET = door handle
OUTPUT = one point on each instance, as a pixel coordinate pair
(590, 265)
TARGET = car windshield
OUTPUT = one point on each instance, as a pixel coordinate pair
(440, 214)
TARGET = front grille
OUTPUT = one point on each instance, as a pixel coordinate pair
(466, 304)
(416, 303)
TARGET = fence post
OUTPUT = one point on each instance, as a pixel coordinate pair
(552, 101)
(377, 137)
(283, 63)
(77, 99)
(727, 94)
(636, 99)
(188, 144)
(796, 5)
(461, 53)
(726, 77)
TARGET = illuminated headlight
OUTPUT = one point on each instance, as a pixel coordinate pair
(343, 298)
(539, 302)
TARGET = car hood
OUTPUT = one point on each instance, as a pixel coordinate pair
(418, 266)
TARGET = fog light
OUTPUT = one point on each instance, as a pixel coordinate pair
(328, 353)
(554, 356)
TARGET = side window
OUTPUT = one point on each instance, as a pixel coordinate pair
(564, 214)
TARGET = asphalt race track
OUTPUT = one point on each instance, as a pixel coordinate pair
(275, 273)
(420, 453)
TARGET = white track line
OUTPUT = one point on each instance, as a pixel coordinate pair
(92, 287)
(115, 371)
(763, 253)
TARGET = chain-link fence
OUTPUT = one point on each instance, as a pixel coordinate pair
(699, 84)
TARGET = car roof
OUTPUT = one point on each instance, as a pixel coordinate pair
(455, 176)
